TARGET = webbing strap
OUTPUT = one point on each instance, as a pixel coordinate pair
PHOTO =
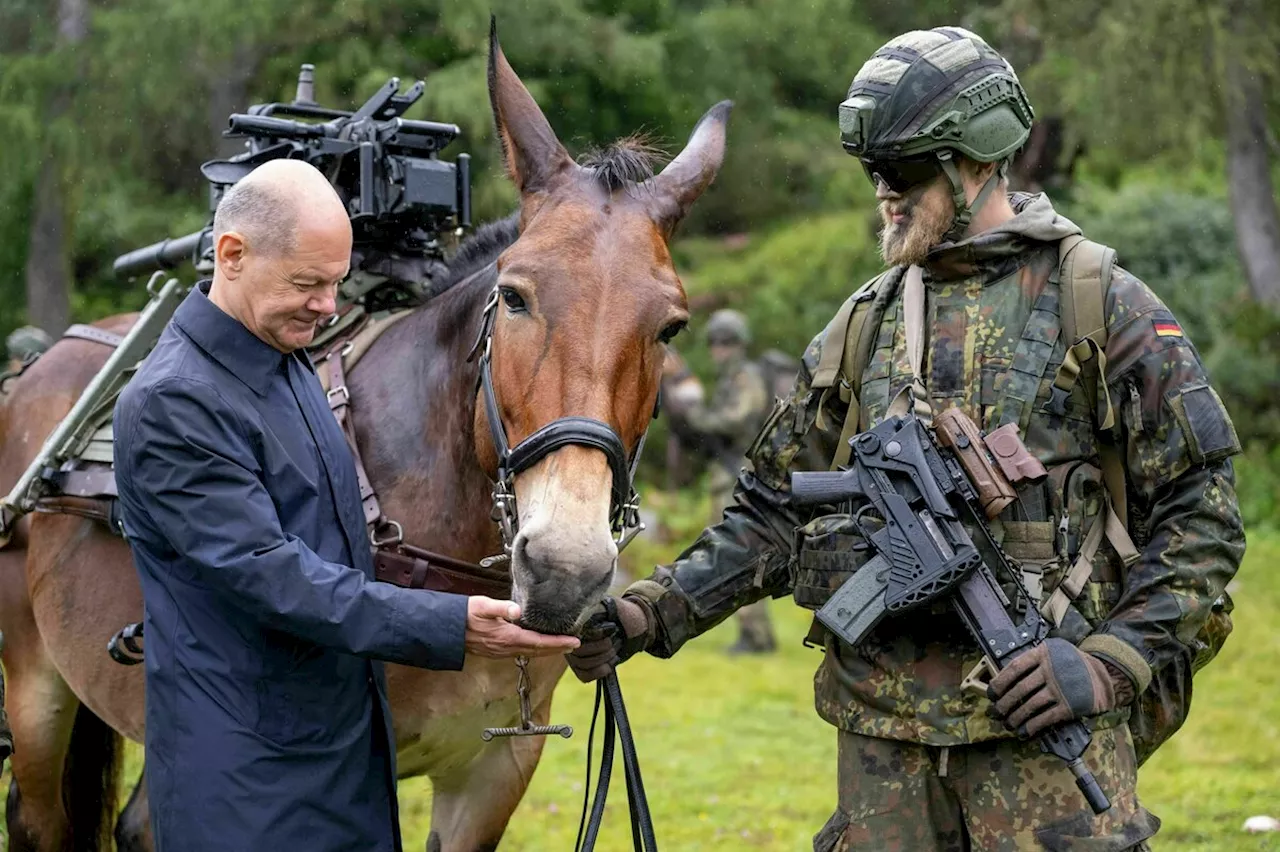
(1113, 477)
(1084, 263)
(1035, 349)
(1113, 528)
(1087, 352)
(824, 375)
(859, 336)
(915, 397)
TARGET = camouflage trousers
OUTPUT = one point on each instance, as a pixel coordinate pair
(1000, 796)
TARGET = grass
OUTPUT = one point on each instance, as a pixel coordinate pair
(735, 758)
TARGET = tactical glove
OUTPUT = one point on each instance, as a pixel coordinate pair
(1056, 682)
(618, 629)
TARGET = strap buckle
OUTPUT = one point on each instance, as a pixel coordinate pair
(340, 389)
(1057, 402)
(396, 538)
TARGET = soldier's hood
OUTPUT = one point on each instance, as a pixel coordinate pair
(997, 250)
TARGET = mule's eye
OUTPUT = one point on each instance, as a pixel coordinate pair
(513, 300)
(668, 334)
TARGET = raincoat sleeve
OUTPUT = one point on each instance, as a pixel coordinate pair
(199, 491)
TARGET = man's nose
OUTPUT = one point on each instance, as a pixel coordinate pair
(883, 192)
(325, 302)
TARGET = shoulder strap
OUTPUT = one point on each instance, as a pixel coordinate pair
(841, 366)
(1085, 272)
(843, 329)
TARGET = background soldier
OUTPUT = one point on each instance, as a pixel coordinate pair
(24, 343)
(724, 428)
(1129, 427)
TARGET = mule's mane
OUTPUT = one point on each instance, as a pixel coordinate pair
(623, 163)
(477, 250)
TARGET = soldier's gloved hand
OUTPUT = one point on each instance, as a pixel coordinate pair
(617, 629)
(1056, 682)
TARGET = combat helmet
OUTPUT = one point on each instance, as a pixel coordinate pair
(728, 326)
(928, 95)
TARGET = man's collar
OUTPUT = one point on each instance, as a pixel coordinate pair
(226, 340)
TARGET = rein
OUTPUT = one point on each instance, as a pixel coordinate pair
(624, 520)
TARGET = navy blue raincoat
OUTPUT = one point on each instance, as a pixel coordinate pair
(267, 719)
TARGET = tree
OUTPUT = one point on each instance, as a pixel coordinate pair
(1253, 199)
(1171, 79)
(48, 268)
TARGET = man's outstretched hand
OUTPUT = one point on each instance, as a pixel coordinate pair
(492, 632)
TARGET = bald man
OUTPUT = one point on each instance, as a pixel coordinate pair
(268, 726)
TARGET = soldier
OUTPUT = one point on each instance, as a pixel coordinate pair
(25, 344)
(1128, 544)
(725, 427)
(22, 346)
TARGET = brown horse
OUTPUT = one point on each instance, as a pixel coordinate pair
(588, 297)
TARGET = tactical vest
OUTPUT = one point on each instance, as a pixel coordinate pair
(1073, 304)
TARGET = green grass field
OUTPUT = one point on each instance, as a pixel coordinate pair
(735, 758)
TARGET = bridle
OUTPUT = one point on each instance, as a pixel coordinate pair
(624, 521)
(624, 501)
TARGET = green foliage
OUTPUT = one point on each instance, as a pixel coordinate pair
(1183, 246)
(788, 282)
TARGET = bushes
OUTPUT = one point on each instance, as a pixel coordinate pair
(1183, 246)
(789, 282)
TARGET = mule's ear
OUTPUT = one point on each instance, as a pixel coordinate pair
(691, 172)
(533, 155)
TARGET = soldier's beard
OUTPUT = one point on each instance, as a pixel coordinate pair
(928, 216)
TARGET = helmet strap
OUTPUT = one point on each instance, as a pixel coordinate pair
(964, 210)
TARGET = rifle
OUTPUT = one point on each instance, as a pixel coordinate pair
(400, 194)
(930, 493)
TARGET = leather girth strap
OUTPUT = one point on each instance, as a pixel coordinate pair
(94, 335)
(394, 561)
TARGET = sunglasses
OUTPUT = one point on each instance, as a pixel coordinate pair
(901, 175)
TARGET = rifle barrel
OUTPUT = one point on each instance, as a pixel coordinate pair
(165, 254)
(281, 128)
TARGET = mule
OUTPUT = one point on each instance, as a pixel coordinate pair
(588, 296)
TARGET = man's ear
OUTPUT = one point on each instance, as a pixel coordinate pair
(229, 252)
(976, 171)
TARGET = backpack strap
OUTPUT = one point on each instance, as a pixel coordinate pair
(1084, 273)
(840, 366)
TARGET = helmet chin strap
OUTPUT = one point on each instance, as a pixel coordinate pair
(964, 210)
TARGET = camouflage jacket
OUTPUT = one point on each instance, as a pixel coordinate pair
(992, 299)
(732, 417)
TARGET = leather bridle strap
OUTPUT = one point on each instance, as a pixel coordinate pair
(563, 432)
(396, 561)
(582, 431)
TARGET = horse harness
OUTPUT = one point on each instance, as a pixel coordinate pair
(624, 502)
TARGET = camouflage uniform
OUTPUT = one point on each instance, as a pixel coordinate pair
(908, 735)
(727, 423)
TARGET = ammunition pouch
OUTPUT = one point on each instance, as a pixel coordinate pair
(827, 551)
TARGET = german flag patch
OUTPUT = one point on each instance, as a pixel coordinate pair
(1168, 328)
